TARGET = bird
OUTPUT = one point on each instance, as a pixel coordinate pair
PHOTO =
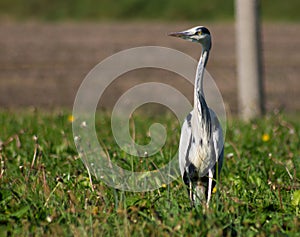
(201, 145)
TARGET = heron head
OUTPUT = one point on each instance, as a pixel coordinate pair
(199, 34)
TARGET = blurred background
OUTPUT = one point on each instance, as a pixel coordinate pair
(48, 47)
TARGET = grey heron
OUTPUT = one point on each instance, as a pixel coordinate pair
(201, 145)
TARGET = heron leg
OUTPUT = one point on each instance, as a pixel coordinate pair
(210, 180)
(191, 193)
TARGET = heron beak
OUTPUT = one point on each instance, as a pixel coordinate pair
(182, 34)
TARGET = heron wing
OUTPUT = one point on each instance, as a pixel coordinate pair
(185, 143)
(218, 140)
(217, 134)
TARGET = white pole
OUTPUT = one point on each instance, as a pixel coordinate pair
(249, 62)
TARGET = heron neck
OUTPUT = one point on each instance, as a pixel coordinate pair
(199, 76)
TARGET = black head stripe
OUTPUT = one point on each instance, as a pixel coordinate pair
(205, 30)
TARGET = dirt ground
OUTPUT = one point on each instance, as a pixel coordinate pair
(43, 65)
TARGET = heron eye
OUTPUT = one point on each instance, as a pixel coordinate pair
(199, 32)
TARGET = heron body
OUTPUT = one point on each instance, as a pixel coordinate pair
(201, 141)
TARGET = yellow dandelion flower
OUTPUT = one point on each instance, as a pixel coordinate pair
(163, 185)
(214, 190)
(71, 118)
(265, 137)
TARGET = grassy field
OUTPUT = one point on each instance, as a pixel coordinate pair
(45, 189)
(178, 10)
